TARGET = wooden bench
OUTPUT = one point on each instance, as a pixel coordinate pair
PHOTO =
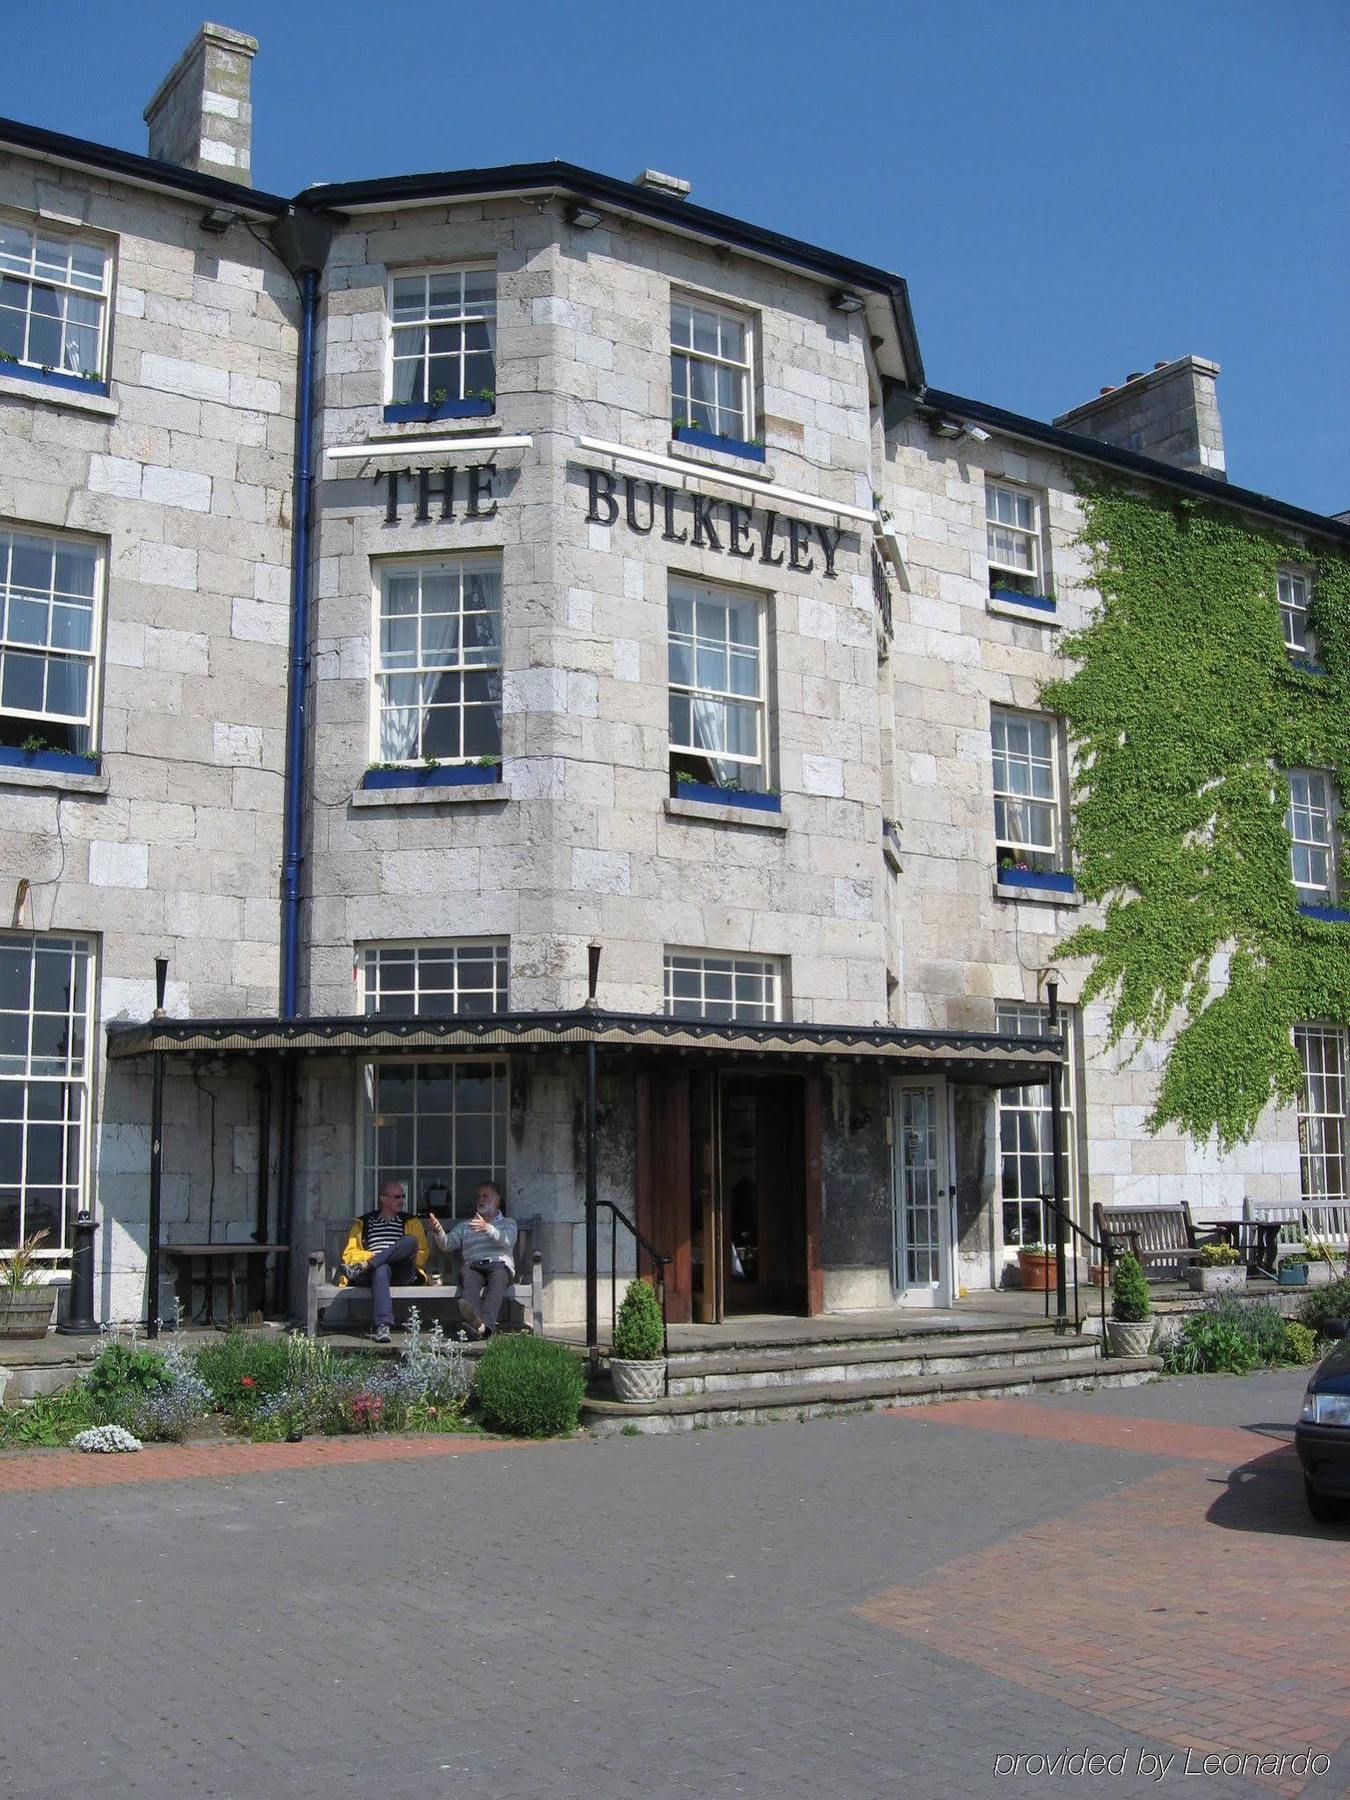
(1165, 1239)
(1288, 1223)
(527, 1292)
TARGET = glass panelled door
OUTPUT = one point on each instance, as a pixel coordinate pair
(922, 1194)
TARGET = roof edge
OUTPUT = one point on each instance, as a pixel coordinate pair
(143, 171)
(1149, 468)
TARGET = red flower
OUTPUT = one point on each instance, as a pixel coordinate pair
(247, 1381)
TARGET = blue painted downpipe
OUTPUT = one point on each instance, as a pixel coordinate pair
(297, 703)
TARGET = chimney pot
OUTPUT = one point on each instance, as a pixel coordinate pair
(1135, 375)
(201, 116)
(1108, 389)
(1161, 365)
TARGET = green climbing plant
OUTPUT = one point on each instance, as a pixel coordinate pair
(1186, 710)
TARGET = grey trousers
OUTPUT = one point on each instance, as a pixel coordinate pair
(481, 1295)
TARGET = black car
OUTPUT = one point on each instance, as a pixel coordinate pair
(1322, 1434)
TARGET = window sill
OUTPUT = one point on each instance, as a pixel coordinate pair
(60, 781)
(710, 813)
(690, 450)
(1034, 609)
(1026, 894)
(79, 396)
(1329, 915)
(479, 795)
(395, 431)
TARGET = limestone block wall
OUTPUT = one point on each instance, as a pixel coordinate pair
(967, 948)
(182, 474)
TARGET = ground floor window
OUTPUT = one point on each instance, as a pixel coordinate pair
(1322, 1121)
(1026, 1172)
(439, 1128)
(44, 1084)
(429, 980)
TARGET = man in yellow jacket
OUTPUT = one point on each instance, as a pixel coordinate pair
(382, 1243)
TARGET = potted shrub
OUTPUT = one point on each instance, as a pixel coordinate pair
(637, 1358)
(1219, 1268)
(25, 1304)
(1036, 1265)
(1130, 1327)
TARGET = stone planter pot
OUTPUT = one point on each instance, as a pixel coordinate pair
(25, 1312)
(1132, 1338)
(638, 1383)
(1216, 1279)
(1322, 1274)
(1037, 1269)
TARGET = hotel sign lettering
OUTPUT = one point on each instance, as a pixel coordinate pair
(752, 533)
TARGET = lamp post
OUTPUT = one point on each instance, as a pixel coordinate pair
(592, 1154)
(156, 1157)
(1052, 1021)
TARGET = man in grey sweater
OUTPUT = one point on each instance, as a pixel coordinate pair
(486, 1244)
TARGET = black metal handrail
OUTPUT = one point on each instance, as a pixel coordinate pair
(1064, 1217)
(659, 1262)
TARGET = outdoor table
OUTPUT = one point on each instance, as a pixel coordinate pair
(211, 1263)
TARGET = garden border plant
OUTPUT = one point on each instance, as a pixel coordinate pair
(1186, 711)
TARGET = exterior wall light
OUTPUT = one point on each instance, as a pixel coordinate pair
(585, 218)
(845, 302)
(218, 219)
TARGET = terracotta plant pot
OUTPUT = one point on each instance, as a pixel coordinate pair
(26, 1312)
(638, 1383)
(1037, 1269)
(1130, 1337)
(1096, 1275)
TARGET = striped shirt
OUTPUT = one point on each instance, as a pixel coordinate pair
(379, 1230)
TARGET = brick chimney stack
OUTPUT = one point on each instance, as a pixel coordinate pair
(1172, 413)
(201, 116)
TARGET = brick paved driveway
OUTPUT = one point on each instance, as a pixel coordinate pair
(863, 1607)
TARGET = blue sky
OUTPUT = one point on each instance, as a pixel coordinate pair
(1073, 188)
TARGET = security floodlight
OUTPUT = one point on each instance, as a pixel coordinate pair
(845, 302)
(585, 218)
(218, 219)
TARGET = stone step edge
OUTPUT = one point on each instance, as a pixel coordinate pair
(684, 1367)
(856, 1393)
(839, 1333)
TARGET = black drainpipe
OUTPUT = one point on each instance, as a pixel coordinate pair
(301, 240)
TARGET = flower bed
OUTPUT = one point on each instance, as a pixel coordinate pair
(271, 1388)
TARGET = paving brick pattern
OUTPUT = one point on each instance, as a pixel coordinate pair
(673, 1618)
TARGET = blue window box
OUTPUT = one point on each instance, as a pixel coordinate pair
(54, 378)
(1015, 597)
(1050, 879)
(422, 412)
(709, 440)
(707, 793)
(448, 775)
(1330, 915)
(56, 762)
(1305, 666)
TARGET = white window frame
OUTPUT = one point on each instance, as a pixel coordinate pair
(1324, 1114)
(1295, 591)
(723, 418)
(484, 316)
(1007, 797)
(86, 727)
(728, 766)
(999, 566)
(1311, 821)
(438, 988)
(75, 1075)
(67, 288)
(458, 1201)
(1018, 1018)
(425, 671)
(727, 969)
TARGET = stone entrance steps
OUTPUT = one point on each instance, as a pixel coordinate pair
(739, 1384)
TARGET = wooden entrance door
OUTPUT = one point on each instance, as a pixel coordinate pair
(728, 1184)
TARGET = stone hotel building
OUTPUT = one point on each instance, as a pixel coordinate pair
(464, 629)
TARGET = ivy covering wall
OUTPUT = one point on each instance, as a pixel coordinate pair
(1185, 709)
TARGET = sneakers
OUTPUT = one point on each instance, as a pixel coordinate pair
(380, 1335)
